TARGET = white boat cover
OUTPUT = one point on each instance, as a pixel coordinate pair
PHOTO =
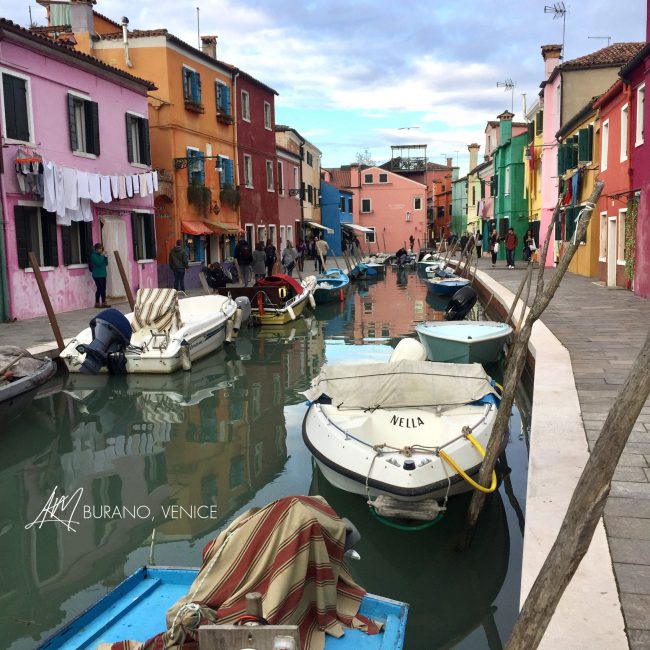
(402, 384)
(156, 309)
(22, 362)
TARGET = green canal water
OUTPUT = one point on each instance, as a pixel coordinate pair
(184, 454)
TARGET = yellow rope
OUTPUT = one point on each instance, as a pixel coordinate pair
(461, 472)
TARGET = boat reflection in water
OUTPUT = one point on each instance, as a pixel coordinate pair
(451, 595)
(181, 454)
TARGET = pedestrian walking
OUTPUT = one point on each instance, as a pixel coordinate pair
(300, 251)
(99, 271)
(529, 245)
(178, 263)
(494, 246)
(244, 258)
(289, 258)
(259, 261)
(479, 244)
(511, 245)
(271, 256)
(322, 248)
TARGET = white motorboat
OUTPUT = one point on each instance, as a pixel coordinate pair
(463, 341)
(162, 335)
(405, 431)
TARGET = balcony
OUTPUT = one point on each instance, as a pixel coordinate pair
(195, 107)
(223, 117)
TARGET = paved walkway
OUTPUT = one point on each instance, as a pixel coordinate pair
(603, 330)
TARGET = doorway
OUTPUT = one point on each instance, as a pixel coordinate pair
(113, 237)
(611, 252)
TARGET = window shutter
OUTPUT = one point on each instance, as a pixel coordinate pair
(570, 226)
(135, 237)
(86, 241)
(15, 100)
(72, 123)
(230, 173)
(150, 236)
(92, 125)
(226, 100)
(590, 142)
(558, 228)
(201, 173)
(23, 238)
(129, 137)
(584, 155)
(50, 250)
(539, 122)
(195, 85)
(531, 131)
(145, 143)
(187, 93)
(66, 244)
(190, 159)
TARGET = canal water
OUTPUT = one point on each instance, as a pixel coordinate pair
(186, 453)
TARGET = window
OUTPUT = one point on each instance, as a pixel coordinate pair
(191, 87)
(282, 236)
(310, 159)
(604, 145)
(417, 203)
(310, 194)
(366, 206)
(368, 178)
(296, 182)
(280, 179)
(267, 115)
(195, 247)
(245, 106)
(223, 99)
(342, 204)
(137, 139)
(370, 236)
(195, 166)
(16, 104)
(77, 242)
(144, 236)
(269, 177)
(383, 178)
(35, 232)
(261, 234)
(640, 113)
(248, 171)
(83, 121)
(507, 181)
(290, 234)
(227, 175)
(602, 248)
(624, 113)
(620, 235)
(350, 205)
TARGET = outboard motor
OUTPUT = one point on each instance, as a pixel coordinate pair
(352, 537)
(244, 304)
(460, 304)
(111, 334)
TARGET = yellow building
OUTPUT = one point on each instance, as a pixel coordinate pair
(533, 167)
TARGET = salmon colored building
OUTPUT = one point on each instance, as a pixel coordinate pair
(192, 133)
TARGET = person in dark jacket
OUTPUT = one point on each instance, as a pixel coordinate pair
(215, 276)
(98, 268)
(259, 261)
(244, 258)
(178, 263)
(271, 256)
(511, 246)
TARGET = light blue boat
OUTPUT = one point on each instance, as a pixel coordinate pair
(446, 286)
(463, 341)
(136, 609)
(330, 286)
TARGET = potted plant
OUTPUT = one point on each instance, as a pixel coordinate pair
(200, 196)
(230, 196)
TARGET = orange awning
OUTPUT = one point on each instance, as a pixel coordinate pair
(227, 228)
(196, 228)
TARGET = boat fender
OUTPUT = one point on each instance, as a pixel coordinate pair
(186, 357)
(260, 304)
(291, 312)
(229, 330)
(341, 296)
(238, 319)
(312, 300)
(282, 292)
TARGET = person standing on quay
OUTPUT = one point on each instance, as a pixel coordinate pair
(244, 258)
(271, 256)
(511, 245)
(259, 261)
(494, 246)
(479, 244)
(99, 271)
(322, 248)
(178, 263)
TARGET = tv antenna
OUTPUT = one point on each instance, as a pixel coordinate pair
(609, 38)
(509, 84)
(559, 11)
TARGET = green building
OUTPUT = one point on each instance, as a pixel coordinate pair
(458, 204)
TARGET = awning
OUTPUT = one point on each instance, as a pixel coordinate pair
(196, 228)
(227, 228)
(357, 227)
(320, 226)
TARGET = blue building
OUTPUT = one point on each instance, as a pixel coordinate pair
(336, 208)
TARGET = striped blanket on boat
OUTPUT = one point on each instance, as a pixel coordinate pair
(291, 552)
(156, 309)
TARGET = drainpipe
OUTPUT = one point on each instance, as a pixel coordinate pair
(235, 147)
(125, 39)
(4, 284)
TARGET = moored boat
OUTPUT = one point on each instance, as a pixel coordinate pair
(446, 286)
(330, 286)
(410, 430)
(463, 341)
(162, 335)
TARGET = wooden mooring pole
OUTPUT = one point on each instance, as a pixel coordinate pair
(125, 280)
(46, 300)
(517, 363)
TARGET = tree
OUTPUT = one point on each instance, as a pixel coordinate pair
(364, 158)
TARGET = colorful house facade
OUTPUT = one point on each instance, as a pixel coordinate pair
(63, 122)
(442, 201)
(533, 170)
(288, 145)
(459, 206)
(336, 210)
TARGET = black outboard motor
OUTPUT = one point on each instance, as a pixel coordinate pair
(460, 304)
(352, 537)
(111, 334)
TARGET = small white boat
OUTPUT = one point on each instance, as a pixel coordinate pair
(162, 335)
(463, 341)
(405, 431)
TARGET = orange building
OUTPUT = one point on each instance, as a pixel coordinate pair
(191, 128)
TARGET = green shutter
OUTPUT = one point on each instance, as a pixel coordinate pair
(92, 126)
(590, 142)
(72, 123)
(150, 236)
(66, 244)
(50, 249)
(584, 154)
(531, 131)
(129, 138)
(15, 102)
(539, 123)
(23, 235)
(570, 224)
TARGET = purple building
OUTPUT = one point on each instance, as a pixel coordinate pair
(75, 171)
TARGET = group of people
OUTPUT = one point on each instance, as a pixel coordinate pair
(510, 242)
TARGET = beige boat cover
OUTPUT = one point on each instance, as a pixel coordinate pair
(291, 552)
(18, 362)
(401, 384)
(156, 309)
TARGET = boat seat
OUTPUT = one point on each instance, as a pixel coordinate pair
(408, 349)
(156, 310)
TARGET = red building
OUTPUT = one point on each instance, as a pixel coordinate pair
(258, 162)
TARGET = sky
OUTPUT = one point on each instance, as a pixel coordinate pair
(357, 75)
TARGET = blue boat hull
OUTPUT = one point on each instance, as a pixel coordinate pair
(446, 287)
(336, 280)
(136, 609)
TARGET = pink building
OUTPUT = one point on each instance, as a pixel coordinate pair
(392, 206)
(288, 147)
(86, 122)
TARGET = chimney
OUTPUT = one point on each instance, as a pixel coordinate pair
(505, 127)
(450, 162)
(81, 16)
(209, 46)
(473, 154)
(551, 55)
